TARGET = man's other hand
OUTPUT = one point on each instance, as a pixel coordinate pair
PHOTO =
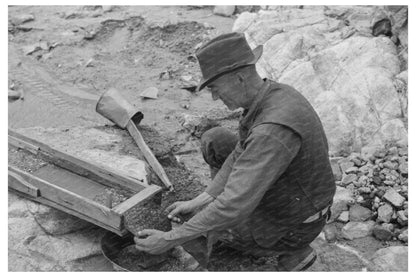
(180, 207)
(152, 241)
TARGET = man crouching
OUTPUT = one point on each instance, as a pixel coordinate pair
(272, 185)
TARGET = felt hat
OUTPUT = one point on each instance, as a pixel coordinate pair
(224, 54)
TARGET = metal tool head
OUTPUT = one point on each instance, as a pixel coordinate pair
(115, 108)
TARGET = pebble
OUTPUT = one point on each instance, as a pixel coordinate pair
(393, 151)
(14, 95)
(390, 165)
(394, 198)
(362, 181)
(385, 213)
(380, 153)
(150, 92)
(108, 8)
(377, 180)
(364, 190)
(357, 162)
(364, 169)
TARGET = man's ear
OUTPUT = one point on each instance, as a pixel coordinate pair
(240, 77)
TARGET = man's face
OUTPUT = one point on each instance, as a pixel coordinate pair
(227, 90)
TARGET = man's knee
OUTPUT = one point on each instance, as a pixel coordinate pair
(216, 144)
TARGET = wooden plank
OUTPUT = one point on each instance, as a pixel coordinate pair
(102, 174)
(136, 199)
(70, 181)
(18, 183)
(18, 143)
(120, 232)
(71, 200)
(148, 154)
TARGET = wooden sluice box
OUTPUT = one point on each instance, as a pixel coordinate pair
(94, 192)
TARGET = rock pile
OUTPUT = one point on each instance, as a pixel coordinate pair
(372, 194)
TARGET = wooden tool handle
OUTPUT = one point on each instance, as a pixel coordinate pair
(148, 154)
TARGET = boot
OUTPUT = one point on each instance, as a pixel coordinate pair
(297, 260)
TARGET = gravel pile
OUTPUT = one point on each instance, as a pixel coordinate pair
(379, 185)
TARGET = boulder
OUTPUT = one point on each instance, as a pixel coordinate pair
(354, 230)
(344, 71)
(359, 213)
(385, 213)
(243, 21)
(224, 10)
(393, 258)
(394, 198)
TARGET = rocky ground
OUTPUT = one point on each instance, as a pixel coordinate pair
(60, 61)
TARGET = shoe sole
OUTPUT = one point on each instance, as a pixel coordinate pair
(306, 263)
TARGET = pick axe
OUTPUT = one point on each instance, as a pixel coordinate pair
(115, 108)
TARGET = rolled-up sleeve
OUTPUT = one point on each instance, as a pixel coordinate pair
(268, 151)
(216, 187)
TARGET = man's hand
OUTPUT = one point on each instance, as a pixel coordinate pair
(180, 207)
(152, 241)
(184, 207)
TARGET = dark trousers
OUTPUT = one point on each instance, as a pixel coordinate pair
(216, 144)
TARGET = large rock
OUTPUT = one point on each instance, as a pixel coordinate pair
(385, 213)
(344, 71)
(393, 258)
(383, 232)
(69, 248)
(55, 222)
(359, 213)
(336, 170)
(21, 18)
(354, 230)
(394, 198)
(342, 199)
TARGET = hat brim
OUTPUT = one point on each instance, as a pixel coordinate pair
(257, 52)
